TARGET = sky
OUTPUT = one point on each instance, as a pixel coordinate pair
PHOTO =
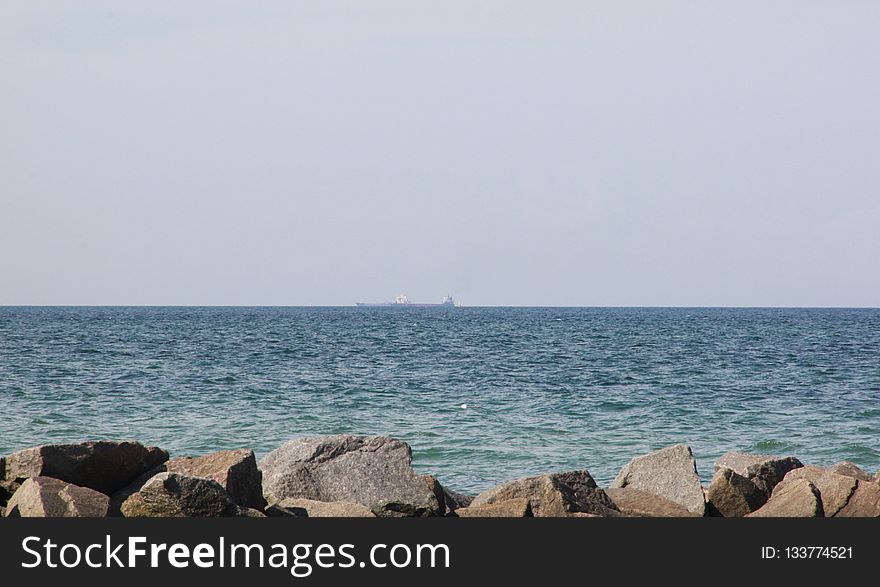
(507, 153)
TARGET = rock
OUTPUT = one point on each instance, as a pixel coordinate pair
(765, 471)
(235, 470)
(864, 503)
(835, 490)
(449, 500)
(518, 507)
(633, 502)
(553, 495)
(45, 497)
(850, 470)
(2, 512)
(456, 501)
(799, 499)
(323, 509)
(172, 495)
(731, 495)
(435, 488)
(6, 490)
(241, 512)
(276, 511)
(670, 472)
(104, 466)
(374, 471)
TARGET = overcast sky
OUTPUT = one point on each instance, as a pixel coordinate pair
(522, 153)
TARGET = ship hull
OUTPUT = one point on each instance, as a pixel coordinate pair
(394, 305)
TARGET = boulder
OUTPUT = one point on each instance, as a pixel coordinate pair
(235, 470)
(104, 466)
(864, 503)
(765, 471)
(849, 469)
(799, 499)
(456, 501)
(172, 495)
(670, 472)
(633, 502)
(553, 495)
(835, 490)
(731, 495)
(518, 507)
(241, 512)
(374, 471)
(45, 497)
(323, 509)
(277, 511)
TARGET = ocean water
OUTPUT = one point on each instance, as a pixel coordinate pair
(483, 395)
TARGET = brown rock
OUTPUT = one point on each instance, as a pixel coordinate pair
(765, 471)
(45, 497)
(324, 509)
(633, 502)
(554, 495)
(834, 489)
(511, 508)
(104, 466)
(864, 503)
(850, 470)
(235, 470)
(670, 472)
(172, 495)
(799, 499)
(731, 495)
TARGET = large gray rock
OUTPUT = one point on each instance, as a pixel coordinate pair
(731, 495)
(45, 497)
(518, 507)
(850, 470)
(235, 470)
(835, 490)
(765, 471)
(799, 499)
(670, 472)
(172, 495)
(553, 495)
(374, 471)
(633, 502)
(323, 509)
(104, 466)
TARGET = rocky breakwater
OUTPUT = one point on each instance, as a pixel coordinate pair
(372, 476)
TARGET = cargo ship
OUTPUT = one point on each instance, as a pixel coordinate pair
(402, 301)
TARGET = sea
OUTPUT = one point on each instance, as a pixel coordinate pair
(483, 395)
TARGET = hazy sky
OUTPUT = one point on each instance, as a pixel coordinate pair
(535, 153)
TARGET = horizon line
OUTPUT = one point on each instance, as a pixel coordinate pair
(524, 306)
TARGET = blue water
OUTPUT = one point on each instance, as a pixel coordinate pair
(546, 388)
